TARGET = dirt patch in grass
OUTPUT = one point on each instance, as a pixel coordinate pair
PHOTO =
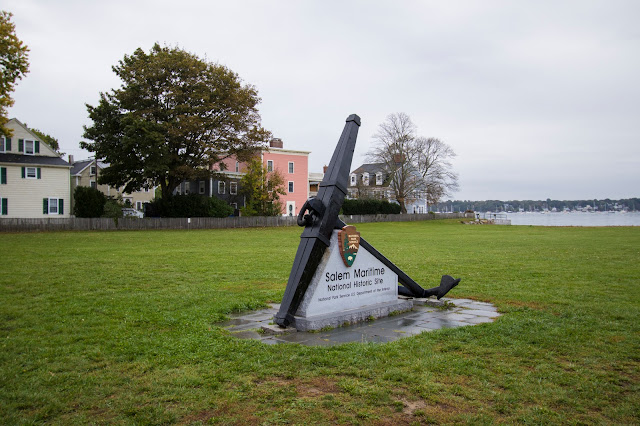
(426, 412)
(410, 407)
(316, 387)
(201, 416)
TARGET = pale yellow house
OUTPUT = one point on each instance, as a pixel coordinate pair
(85, 173)
(34, 180)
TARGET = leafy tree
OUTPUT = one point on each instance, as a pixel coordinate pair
(419, 167)
(262, 189)
(50, 140)
(88, 202)
(14, 64)
(174, 116)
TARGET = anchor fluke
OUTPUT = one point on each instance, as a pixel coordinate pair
(446, 284)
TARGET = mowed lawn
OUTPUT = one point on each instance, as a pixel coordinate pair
(120, 327)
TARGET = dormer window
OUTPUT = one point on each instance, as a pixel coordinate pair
(353, 179)
(29, 147)
(365, 179)
(379, 178)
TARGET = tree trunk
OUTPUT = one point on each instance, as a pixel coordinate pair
(403, 208)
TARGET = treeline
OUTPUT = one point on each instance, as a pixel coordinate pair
(629, 204)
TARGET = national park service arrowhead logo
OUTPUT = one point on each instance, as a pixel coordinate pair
(349, 242)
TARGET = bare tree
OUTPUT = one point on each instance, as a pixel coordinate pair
(419, 167)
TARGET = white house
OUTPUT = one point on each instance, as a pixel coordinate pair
(34, 180)
(85, 173)
(374, 181)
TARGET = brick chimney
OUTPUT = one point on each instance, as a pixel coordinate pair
(324, 169)
(276, 143)
(398, 158)
(70, 159)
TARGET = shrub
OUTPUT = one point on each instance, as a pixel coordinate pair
(369, 206)
(192, 205)
(112, 209)
(88, 202)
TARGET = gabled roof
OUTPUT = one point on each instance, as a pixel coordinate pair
(33, 160)
(26, 129)
(371, 168)
(80, 166)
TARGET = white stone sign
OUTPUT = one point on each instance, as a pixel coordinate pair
(336, 288)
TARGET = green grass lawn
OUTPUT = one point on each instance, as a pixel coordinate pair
(120, 327)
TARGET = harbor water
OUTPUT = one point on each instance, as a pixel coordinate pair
(575, 218)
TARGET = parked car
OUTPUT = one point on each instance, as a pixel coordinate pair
(129, 212)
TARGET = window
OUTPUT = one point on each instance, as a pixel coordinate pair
(290, 187)
(353, 180)
(201, 187)
(4, 209)
(365, 179)
(28, 148)
(52, 206)
(92, 171)
(237, 166)
(3, 175)
(139, 206)
(221, 187)
(31, 173)
(290, 166)
(186, 188)
(5, 144)
(379, 178)
(93, 184)
(269, 165)
(234, 205)
(146, 188)
(233, 188)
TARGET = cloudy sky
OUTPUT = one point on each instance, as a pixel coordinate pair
(539, 99)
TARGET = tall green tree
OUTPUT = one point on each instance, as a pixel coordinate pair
(174, 116)
(262, 190)
(14, 64)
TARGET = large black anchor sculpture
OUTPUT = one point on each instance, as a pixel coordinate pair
(319, 216)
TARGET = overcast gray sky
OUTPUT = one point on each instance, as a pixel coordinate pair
(539, 99)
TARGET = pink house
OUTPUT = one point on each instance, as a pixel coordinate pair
(293, 166)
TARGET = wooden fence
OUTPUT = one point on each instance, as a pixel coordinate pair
(105, 224)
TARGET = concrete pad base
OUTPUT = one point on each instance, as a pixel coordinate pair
(352, 316)
(275, 329)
